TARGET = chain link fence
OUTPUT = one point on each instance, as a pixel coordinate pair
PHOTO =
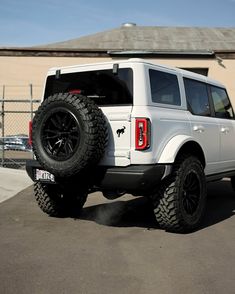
(15, 114)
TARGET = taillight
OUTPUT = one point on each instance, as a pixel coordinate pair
(142, 133)
(30, 132)
(75, 91)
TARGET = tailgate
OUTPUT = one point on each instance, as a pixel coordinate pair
(119, 140)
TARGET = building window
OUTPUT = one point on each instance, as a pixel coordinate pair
(198, 70)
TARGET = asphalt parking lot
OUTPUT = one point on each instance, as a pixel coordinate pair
(115, 247)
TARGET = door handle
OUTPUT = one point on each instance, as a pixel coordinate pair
(198, 129)
(224, 130)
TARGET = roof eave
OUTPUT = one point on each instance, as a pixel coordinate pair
(68, 52)
(161, 52)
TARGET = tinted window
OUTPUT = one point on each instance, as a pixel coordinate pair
(102, 86)
(197, 97)
(164, 87)
(222, 105)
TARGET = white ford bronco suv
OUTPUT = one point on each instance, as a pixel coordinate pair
(132, 127)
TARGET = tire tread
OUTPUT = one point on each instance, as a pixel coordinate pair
(96, 133)
(166, 201)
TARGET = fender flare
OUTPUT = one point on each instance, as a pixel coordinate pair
(173, 146)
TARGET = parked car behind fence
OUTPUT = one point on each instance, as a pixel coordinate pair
(19, 143)
(14, 151)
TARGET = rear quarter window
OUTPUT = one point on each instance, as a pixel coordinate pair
(164, 88)
(222, 105)
(197, 97)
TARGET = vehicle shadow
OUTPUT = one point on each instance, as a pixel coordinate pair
(220, 203)
(138, 212)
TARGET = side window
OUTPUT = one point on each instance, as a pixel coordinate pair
(164, 87)
(197, 97)
(222, 105)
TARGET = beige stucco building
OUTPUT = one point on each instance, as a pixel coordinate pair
(210, 51)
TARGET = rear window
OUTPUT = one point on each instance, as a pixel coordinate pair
(103, 86)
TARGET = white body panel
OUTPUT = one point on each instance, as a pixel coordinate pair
(119, 133)
(165, 125)
(227, 140)
(205, 131)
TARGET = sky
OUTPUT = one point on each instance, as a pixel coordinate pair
(26, 23)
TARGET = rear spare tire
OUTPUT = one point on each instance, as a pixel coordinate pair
(69, 134)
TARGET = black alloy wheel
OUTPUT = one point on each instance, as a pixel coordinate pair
(61, 135)
(191, 193)
(69, 134)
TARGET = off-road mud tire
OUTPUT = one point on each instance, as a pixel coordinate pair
(69, 134)
(179, 203)
(59, 201)
(233, 183)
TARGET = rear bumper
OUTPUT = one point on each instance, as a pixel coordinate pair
(130, 178)
(133, 177)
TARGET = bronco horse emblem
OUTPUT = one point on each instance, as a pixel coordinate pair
(121, 131)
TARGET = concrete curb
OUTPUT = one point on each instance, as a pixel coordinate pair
(12, 181)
